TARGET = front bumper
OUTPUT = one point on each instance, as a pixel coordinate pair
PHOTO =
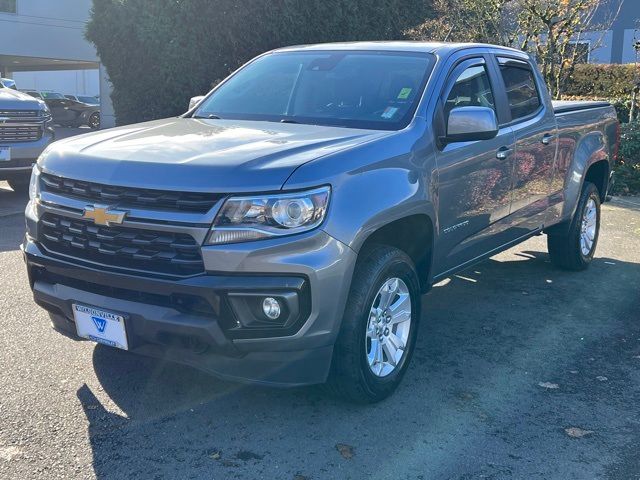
(197, 321)
(24, 155)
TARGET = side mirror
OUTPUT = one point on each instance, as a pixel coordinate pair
(468, 124)
(195, 101)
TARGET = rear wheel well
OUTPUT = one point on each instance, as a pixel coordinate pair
(414, 236)
(598, 174)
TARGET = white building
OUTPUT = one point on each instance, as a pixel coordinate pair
(42, 47)
(615, 45)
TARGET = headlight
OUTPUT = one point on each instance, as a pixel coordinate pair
(34, 183)
(242, 219)
(44, 108)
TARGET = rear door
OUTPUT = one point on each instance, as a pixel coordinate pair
(534, 127)
(474, 178)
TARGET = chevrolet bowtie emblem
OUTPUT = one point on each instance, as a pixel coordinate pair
(103, 215)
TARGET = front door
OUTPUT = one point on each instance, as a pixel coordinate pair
(474, 178)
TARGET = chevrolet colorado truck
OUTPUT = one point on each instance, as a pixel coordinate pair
(283, 230)
(25, 131)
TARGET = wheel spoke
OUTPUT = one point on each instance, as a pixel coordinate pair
(391, 352)
(371, 331)
(401, 310)
(375, 354)
(403, 302)
(396, 341)
(400, 317)
(388, 293)
(586, 248)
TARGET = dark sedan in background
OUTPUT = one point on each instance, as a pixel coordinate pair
(88, 99)
(69, 113)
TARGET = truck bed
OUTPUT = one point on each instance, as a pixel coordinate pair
(564, 106)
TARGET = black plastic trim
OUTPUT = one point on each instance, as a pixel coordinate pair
(214, 289)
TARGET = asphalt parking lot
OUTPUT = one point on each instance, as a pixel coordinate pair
(521, 371)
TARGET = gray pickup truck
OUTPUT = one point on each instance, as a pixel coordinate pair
(283, 230)
(25, 131)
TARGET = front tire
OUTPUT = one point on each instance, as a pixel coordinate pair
(574, 250)
(379, 328)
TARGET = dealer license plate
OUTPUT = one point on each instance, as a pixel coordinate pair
(101, 326)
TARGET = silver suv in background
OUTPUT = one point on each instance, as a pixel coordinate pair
(25, 131)
(8, 83)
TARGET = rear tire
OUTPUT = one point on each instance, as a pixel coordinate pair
(19, 185)
(574, 249)
(383, 308)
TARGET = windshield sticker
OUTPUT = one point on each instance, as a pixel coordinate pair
(404, 93)
(389, 112)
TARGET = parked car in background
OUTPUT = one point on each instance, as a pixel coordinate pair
(8, 83)
(71, 113)
(88, 99)
(25, 131)
(33, 93)
(284, 229)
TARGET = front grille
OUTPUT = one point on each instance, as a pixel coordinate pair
(129, 197)
(20, 133)
(127, 248)
(20, 113)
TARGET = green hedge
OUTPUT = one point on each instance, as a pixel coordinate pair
(8, 6)
(609, 81)
(613, 83)
(627, 171)
(159, 53)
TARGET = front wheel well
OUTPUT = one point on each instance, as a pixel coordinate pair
(414, 236)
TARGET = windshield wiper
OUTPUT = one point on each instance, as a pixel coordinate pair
(210, 116)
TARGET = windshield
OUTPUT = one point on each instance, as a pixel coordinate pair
(7, 83)
(50, 95)
(376, 90)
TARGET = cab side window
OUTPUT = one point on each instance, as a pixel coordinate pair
(471, 89)
(522, 91)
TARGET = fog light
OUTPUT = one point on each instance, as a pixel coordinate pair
(271, 308)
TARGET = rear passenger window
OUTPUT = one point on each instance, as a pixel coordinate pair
(471, 89)
(522, 92)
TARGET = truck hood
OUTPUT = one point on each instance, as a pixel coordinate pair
(190, 154)
(14, 100)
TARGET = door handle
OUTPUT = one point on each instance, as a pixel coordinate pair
(547, 138)
(503, 153)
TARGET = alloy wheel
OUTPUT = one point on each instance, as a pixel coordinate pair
(388, 327)
(588, 227)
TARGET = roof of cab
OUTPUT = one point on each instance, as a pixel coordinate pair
(441, 48)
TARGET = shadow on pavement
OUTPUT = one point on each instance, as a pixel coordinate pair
(12, 228)
(470, 404)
